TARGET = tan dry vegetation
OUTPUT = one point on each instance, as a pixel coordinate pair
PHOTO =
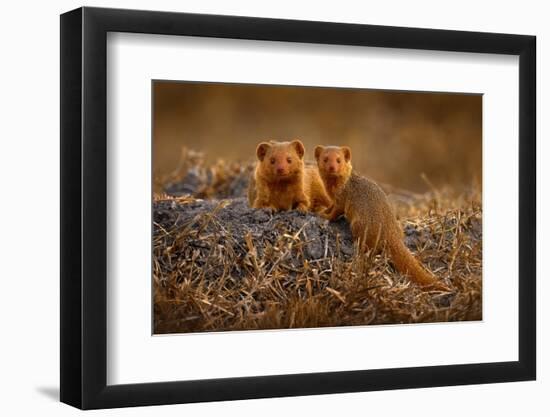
(219, 265)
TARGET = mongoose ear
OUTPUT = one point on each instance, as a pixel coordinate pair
(318, 151)
(261, 150)
(347, 153)
(299, 146)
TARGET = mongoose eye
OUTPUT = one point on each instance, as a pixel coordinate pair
(326, 159)
(272, 161)
(338, 160)
(289, 160)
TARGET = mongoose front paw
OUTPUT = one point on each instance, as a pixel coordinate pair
(330, 214)
(268, 209)
(326, 216)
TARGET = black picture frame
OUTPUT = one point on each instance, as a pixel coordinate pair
(84, 207)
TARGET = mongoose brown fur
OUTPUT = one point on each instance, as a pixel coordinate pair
(282, 181)
(368, 211)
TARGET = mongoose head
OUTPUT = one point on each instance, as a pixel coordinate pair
(333, 161)
(281, 160)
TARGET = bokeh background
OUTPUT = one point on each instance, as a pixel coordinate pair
(406, 139)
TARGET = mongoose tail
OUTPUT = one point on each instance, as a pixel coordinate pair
(407, 264)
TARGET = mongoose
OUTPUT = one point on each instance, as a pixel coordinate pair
(368, 211)
(282, 181)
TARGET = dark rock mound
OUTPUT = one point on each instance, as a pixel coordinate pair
(195, 229)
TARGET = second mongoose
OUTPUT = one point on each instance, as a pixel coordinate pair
(368, 211)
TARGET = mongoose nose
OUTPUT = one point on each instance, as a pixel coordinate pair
(332, 169)
(280, 171)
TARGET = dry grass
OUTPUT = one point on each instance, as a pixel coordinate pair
(219, 265)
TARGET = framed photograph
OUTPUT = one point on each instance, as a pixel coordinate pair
(258, 208)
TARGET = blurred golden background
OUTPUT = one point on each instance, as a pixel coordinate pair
(395, 137)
